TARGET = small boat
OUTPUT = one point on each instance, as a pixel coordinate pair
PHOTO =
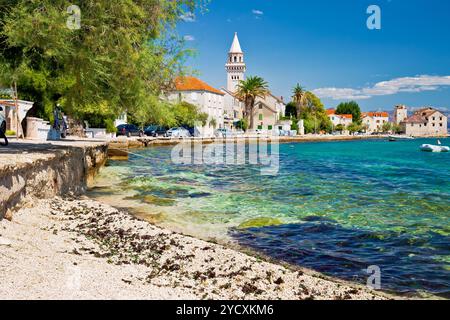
(434, 148)
(392, 139)
(400, 137)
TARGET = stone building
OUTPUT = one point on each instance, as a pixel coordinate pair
(400, 114)
(235, 65)
(268, 110)
(233, 109)
(425, 122)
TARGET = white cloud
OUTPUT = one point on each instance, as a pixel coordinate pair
(406, 84)
(257, 12)
(189, 38)
(188, 17)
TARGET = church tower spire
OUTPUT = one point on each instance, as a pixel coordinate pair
(235, 65)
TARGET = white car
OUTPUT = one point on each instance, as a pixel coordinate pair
(178, 133)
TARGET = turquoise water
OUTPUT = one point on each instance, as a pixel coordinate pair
(337, 207)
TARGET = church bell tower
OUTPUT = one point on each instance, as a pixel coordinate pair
(235, 65)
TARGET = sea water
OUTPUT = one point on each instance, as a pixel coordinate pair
(336, 207)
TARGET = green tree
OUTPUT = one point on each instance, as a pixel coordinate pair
(242, 124)
(248, 90)
(291, 110)
(350, 108)
(299, 97)
(340, 127)
(122, 57)
(187, 114)
(387, 127)
(354, 127)
(396, 128)
(314, 115)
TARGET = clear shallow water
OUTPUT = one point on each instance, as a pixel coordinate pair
(336, 207)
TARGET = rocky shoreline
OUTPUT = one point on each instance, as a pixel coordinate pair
(77, 248)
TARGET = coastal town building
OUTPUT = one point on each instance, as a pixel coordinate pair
(339, 119)
(233, 109)
(400, 114)
(374, 121)
(235, 65)
(208, 100)
(268, 110)
(425, 122)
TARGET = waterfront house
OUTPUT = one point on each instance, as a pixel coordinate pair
(374, 121)
(425, 122)
(207, 99)
(233, 109)
(339, 119)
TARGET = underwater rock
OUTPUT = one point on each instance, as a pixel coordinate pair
(154, 200)
(162, 202)
(260, 222)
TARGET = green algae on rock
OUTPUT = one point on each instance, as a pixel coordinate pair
(260, 222)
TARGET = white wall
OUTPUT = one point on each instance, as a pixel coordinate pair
(207, 102)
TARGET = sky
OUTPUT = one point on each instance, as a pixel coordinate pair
(326, 46)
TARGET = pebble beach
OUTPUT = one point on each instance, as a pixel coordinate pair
(77, 248)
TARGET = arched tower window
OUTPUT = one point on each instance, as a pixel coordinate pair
(235, 59)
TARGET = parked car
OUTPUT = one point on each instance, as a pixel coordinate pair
(3, 128)
(223, 133)
(129, 130)
(178, 133)
(155, 131)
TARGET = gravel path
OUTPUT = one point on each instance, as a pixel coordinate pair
(83, 249)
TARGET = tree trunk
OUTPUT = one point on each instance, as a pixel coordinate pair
(249, 109)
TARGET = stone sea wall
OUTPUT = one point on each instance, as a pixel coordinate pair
(59, 171)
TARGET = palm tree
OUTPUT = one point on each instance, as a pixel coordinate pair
(299, 97)
(248, 90)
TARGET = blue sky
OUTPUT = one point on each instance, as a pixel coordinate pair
(326, 46)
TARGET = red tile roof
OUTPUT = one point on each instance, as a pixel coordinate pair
(194, 84)
(331, 112)
(375, 114)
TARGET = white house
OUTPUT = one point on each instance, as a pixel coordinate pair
(374, 121)
(339, 119)
(207, 99)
